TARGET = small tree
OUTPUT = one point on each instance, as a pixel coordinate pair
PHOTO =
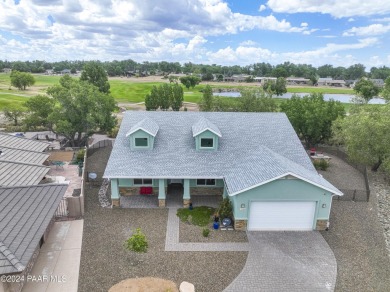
(165, 96)
(137, 242)
(366, 89)
(13, 113)
(177, 97)
(190, 81)
(21, 80)
(225, 208)
(255, 101)
(277, 87)
(152, 99)
(207, 102)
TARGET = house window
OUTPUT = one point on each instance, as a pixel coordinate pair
(141, 142)
(143, 181)
(205, 182)
(206, 142)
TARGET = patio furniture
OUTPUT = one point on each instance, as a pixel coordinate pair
(58, 164)
(146, 190)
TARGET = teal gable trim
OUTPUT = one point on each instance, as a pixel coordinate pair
(206, 134)
(283, 190)
(141, 134)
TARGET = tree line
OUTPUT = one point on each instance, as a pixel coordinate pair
(287, 69)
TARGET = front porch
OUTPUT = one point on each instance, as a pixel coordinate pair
(172, 196)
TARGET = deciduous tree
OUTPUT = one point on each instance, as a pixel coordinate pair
(207, 103)
(365, 133)
(366, 89)
(38, 110)
(277, 87)
(177, 97)
(312, 116)
(152, 99)
(94, 73)
(190, 81)
(21, 80)
(13, 113)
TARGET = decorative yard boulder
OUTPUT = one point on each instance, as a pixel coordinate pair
(186, 287)
(145, 284)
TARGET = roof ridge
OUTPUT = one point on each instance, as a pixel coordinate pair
(24, 163)
(35, 186)
(18, 149)
(14, 261)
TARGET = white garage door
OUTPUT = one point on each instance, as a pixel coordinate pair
(281, 215)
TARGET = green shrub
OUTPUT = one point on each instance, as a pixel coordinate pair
(321, 164)
(137, 242)
(200, 216)
(206, 232)
(80, 155)
(225, 209)
(113, 132)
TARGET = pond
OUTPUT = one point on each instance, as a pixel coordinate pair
(344, 98)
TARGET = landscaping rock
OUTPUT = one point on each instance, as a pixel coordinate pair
(186, 287)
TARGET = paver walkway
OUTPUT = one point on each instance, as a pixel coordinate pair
(277, 261)
(58, 260)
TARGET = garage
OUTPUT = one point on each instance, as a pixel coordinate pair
(281, 215)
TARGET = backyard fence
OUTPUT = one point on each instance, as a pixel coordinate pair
(349, 194)
(101, 144)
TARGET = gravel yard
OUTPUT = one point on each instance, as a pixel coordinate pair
(356, 234)
(104, 261)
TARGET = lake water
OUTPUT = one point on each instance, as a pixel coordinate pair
(344, 98)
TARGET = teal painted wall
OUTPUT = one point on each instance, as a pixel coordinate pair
(283, 189)
(206, 134)
(141, 134)
(114, 189)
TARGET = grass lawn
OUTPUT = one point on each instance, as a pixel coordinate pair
(200, 216)
(8, 99)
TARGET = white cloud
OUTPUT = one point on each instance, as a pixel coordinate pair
(262, 8)
(371, 30)
(304, 24)
(248, 43)
(346, 8)
(116, 28)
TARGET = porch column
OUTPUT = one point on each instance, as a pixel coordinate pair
(186, 193)
(115, 196)
(224, 195)
(161, 193)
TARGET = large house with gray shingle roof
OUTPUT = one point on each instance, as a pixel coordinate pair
(255, 159)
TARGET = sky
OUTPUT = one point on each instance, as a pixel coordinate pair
(231, 32)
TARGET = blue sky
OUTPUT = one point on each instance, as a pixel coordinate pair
(231, 32)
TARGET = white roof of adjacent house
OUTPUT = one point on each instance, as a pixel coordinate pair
(254, 148)
(25, 214)
(21, 143)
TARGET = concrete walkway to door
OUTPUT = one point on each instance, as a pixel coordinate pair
(287, 261)
(58, 262)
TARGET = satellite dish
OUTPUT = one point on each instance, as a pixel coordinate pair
(92, 175)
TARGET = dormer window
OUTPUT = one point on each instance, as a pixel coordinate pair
(206, 135)
(141, 142)
(206, 143)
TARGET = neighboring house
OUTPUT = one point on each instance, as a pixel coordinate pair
(21, 160)
(66, 71)
(297, 81)
(7, 70)
(27, 214)
(331, 82)
(263, 80)
(236, 78)
(255, 159)
(378, 82)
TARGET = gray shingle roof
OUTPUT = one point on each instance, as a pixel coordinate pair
(25, 214)
(147, 125)
(17, 155)
(10, 141)
(255, 148)
(204, 124)
(17, 174)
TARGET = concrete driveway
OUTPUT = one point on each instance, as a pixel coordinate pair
(287, 261)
